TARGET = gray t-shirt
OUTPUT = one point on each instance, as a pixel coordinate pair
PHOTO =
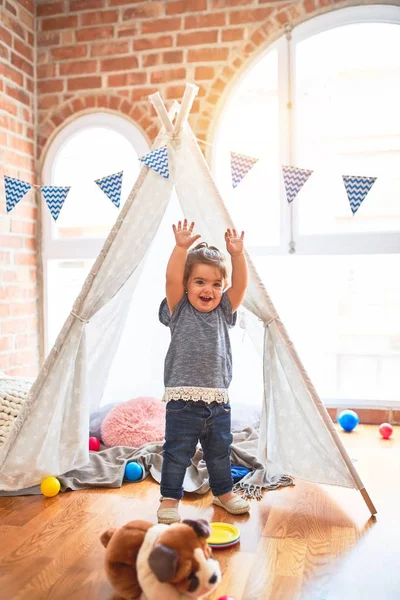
(199, 354)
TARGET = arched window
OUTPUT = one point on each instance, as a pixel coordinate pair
(327, 99)
(91, 147)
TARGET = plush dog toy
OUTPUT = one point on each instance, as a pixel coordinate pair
(161, 562)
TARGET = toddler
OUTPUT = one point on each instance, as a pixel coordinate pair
(198, 365)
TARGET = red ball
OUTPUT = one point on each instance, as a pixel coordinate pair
(94, 444)
(385, 430)
(226, 598)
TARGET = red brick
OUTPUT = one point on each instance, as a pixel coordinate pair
(21, 144)
(99, 18)
(80, 67)
(18, 95)
(151, 60)
(208, 54)
(94, 33)
(29, 21)
(25, 259)
(127, 31)
(51, 8)
(204, 73)
(230, 3)
(48, 102)
(4, 52)
(10, 8)
(24, 49)
(142, 93)
(84, 83)
(124, 79)
(81, 5)
(125, 63)
(23, 308)
(69, 52)
(13, 25)
(5, 36)
(121, 2)
(8, 106)
(66, 22)
(110, 48)
(161, 25)
(22, 64)
(182, 6)
(5, 258)
(50, 86)
(149, 10)
(48, 38)
(258, 15)
(205, 21)
(46, 71)
(6, 343)
(197, 38)
(167, 75)
(175, 92)
(233, 35)
(11, 74)
(164, 41)
(175, 56)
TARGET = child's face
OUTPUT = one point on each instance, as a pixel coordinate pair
(205, 287)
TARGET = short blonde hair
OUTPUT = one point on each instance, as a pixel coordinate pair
(205, 255)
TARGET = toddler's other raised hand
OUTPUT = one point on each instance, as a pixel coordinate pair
(234, 243)
(184, 237)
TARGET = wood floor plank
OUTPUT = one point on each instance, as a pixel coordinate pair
(306, 542)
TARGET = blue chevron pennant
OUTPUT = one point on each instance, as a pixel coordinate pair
(357, 188)
(15, 190)
(158, 161)
(240, 166)
(111, 186)
(294, 179)
(54, 197)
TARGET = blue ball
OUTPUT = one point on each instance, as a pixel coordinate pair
(133, 471)
(348, 420)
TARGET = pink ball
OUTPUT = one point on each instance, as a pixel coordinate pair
(94, 444)
(385, 430)
(226, 598)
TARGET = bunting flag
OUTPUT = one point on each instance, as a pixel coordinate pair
(54, 197)
(240, 166)
(357, 188)
(111, 186)
(294, 179)
(15, 190)
(158, 161)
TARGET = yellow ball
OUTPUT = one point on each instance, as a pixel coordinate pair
(50, 487)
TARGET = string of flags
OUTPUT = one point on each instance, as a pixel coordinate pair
(357, 187)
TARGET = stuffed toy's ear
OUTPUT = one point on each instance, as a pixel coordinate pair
(163, 561)
(106, 537)
(201, 527)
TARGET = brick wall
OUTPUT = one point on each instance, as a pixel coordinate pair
(114, 53)
(18, 265)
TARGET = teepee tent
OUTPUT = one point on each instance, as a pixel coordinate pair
(50, 434)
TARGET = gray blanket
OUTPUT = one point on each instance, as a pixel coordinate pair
(106, 469)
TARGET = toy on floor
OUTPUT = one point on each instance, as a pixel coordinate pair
(161, 562)
(94, 444)
(223, 535)
(385, 430)
(348, 420)
(133, 471)
(50, 487)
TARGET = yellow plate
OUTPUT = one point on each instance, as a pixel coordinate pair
(223, 533)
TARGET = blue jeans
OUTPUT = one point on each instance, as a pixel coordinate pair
(187, 422)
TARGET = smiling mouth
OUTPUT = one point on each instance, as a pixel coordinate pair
(203, 299)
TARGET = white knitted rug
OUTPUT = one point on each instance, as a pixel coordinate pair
(13, 394)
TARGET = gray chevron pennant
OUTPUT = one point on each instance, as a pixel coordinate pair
(111, 186)
(357, 188)
(294, 179)
(54, 197)
(158, 161)
(241, 164)
(15, 190)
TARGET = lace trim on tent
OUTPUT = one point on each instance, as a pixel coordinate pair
(196, 394)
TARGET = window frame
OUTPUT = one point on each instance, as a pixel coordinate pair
(76, 248)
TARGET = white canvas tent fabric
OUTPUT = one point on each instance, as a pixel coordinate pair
(50, 434)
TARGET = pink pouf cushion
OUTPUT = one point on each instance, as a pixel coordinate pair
(134, 423)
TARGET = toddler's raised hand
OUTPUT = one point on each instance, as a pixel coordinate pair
(184, 237)
(234, 243)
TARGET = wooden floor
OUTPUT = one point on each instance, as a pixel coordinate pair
(301, 543)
